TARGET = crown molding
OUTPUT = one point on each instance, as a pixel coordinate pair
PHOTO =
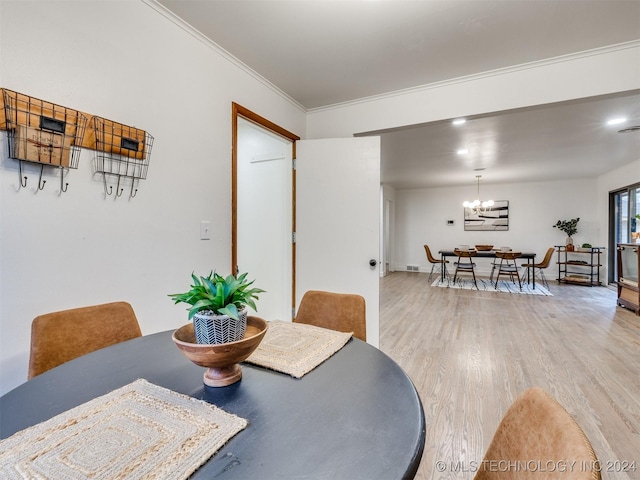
(169, 15)
(162, 10)
(482, 75)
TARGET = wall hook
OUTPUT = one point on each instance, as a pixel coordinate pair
(23, 185)
(133, 193)
(104, 180)
(117, 187)
(66, 185)
(40, 181)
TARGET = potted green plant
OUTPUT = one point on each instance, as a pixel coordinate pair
(218, 306)
(570, 227)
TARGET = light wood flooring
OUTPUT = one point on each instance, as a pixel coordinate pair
(470, 354)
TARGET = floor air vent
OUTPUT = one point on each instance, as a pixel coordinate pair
(412, 268)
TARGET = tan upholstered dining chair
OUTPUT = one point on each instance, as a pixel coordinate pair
(437, 266)
(537, 433)
(343, 312)
(59, 337)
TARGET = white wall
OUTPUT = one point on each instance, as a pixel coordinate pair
(421, 216)
(126, 62)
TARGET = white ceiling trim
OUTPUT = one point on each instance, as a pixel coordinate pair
(169, 15)
(482, 75)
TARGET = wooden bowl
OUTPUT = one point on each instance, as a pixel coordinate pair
(484, 248)
(222, 359)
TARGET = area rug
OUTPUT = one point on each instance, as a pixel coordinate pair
(296, 348)
(484, 284)
(138, 431)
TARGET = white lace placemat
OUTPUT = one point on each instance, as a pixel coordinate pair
(296, 348)
(138, 431)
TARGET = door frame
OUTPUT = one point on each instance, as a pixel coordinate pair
(240, 111)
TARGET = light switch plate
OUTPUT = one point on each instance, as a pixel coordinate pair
(205, 230)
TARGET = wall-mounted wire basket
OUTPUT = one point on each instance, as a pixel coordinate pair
(42, 132)
(121, 150)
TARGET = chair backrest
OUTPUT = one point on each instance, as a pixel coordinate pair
(344, 312)
(59, 337)
(430, 257)
(538, 431)
(547, 258)
(465, 253)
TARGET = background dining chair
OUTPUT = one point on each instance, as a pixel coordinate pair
(536, 428)
(538, 268)
(59, 337)
(508, 266)
(465, 266)
(437, 266)
(344, 312)
(496, 261)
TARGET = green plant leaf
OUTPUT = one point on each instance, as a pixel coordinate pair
(230, 310)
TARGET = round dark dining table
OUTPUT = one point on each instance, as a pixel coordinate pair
(355, 416)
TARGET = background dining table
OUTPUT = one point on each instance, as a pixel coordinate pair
(492, 254)
(357, 415)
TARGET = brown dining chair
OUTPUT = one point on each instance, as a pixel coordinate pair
(538, 268)
(343, 312)
(437, 266)
(508, 266)
(465, 266)
(537, 433)
(59, 337)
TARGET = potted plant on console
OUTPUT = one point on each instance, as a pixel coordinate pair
(219, 306)
(570, 228)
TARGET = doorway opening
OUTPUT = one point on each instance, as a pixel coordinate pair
(263, 209)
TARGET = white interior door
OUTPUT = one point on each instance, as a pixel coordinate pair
(338, 220)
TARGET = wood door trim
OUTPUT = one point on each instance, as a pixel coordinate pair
(240, 111)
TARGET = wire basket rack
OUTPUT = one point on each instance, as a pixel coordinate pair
(122, 150)
(42, 132)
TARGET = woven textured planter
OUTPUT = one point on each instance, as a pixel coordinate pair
(215, 329)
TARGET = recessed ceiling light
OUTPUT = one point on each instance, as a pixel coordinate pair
(616, 121)
(459, 121)
(462, 151)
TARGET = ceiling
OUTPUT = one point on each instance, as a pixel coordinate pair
(556, 141)
(323, 52)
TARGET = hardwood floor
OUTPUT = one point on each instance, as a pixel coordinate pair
(470, 354)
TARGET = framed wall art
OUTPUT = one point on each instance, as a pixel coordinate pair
(494, 218)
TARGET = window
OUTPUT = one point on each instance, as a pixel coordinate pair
(624, 205)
